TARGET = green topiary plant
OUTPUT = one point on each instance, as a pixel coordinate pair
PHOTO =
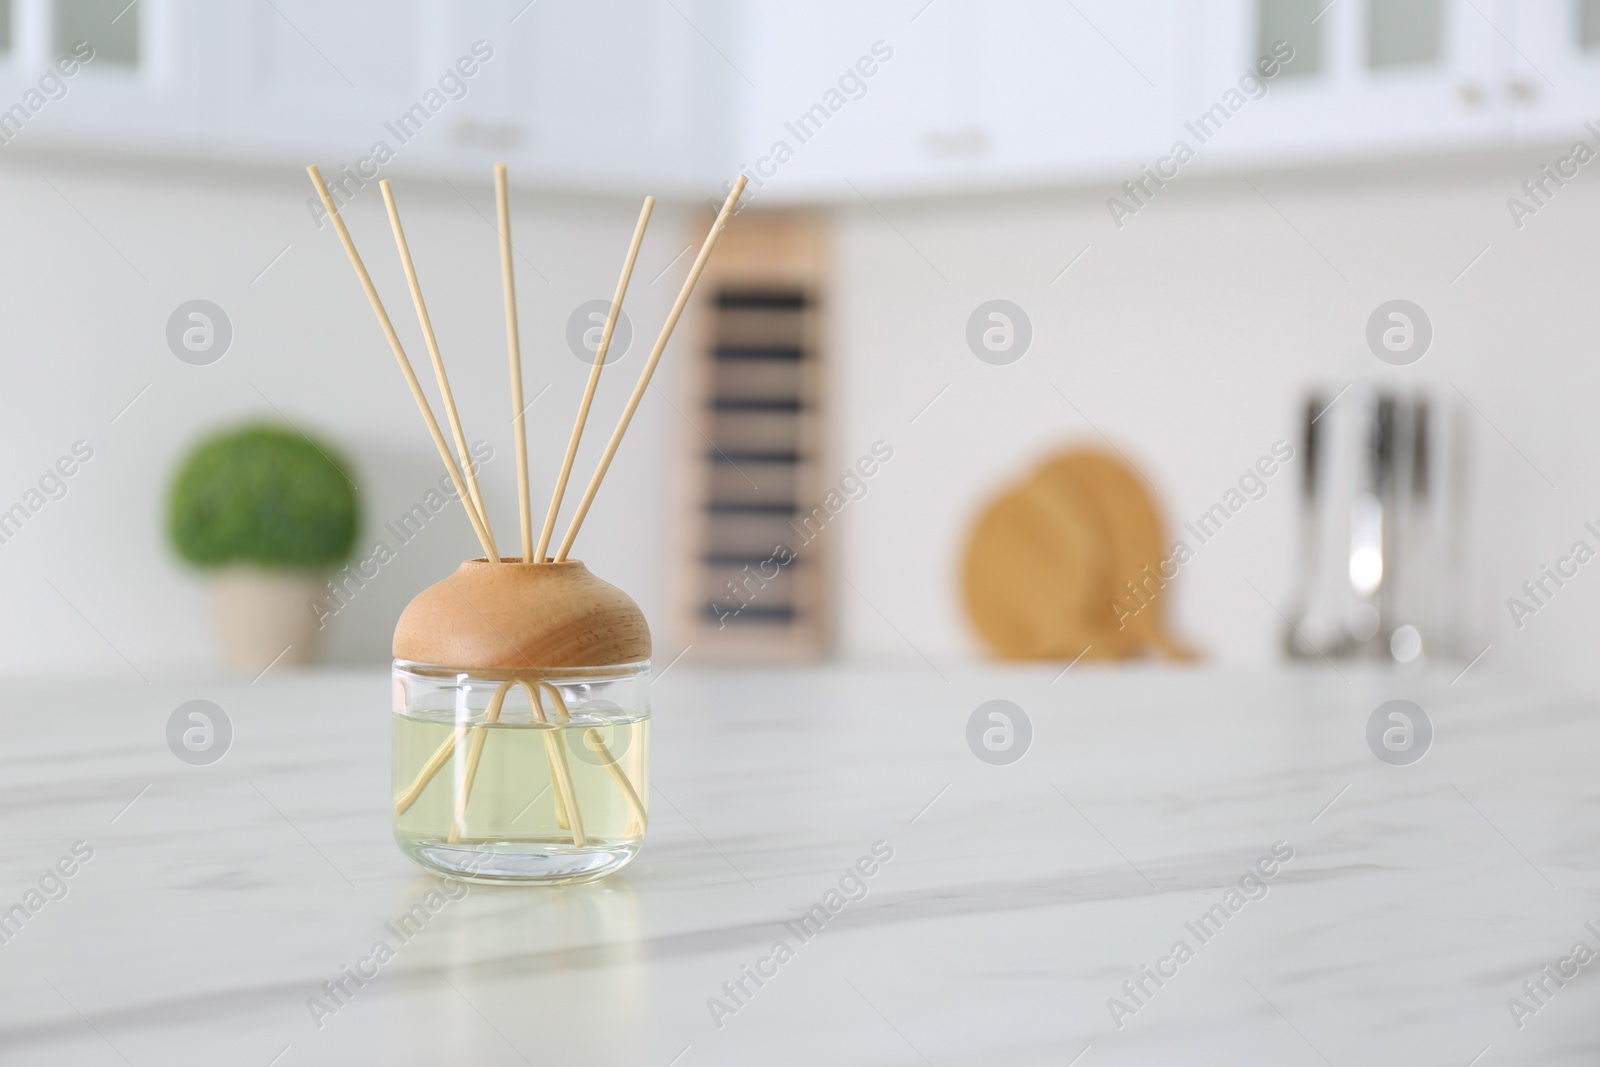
(265, 496)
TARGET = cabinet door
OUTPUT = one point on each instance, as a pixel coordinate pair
(960, 93)
(140, 87)
(1379, 76)
(1060, 89)
(307, 76)
(794, 128)
(1553, 80)
(619, 91)
(477, 125)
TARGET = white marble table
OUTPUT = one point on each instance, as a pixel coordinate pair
(1019, 899)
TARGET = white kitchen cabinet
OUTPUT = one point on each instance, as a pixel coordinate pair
(960, 94)
(614, 92)
(591, 94)
(832, 99)
(1385, 77)
(1084, 87)
(477, 124)
(306, 76)
(1554, 77)
(141, 89)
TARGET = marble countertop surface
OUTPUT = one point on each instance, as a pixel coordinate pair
(1332, 908)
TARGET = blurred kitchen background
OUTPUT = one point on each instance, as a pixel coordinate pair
(936, 155)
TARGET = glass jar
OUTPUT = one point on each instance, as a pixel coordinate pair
(521, 776)
(521, 724)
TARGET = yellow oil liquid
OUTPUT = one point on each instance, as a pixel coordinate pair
(547, 802)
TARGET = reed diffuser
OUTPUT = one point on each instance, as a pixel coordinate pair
(521, 695)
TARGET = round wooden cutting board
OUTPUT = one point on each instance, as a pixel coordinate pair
(1049, 558)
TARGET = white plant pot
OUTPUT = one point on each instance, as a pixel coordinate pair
(263, 617)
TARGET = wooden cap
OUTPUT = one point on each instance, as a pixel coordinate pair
(515, 616)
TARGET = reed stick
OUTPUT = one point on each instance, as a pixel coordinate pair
(417, 394)
(560, 769)
(565, 800)
(650, 366)
(432, 343)
(594, 377)
(480, 734)
(639, 818)
(568, 816)
(508, 283)
(441, 755)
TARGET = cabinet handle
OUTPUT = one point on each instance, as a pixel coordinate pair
(1521, 91)
(504, 135)
(947, 144)
(1470, 94)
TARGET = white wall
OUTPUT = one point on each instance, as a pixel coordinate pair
(85, 334)
(1188, 337)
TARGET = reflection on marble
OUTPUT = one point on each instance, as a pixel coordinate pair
(223, 903)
